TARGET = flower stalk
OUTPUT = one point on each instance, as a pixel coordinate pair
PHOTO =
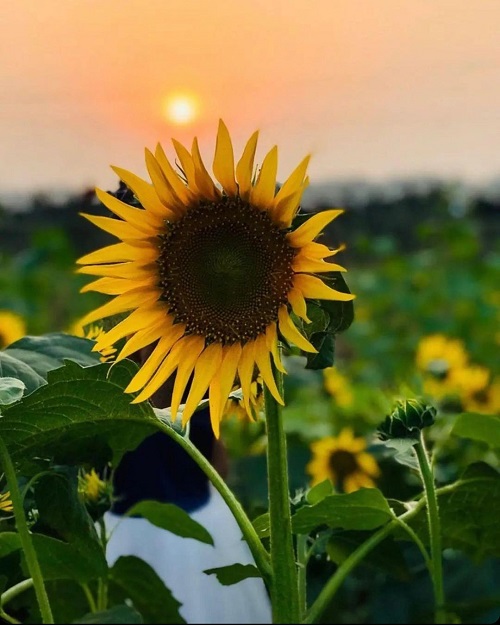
(284, 589)
(25, 536)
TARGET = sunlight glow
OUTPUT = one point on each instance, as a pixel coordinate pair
(181, 109)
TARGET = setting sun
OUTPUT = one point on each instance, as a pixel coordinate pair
(181, 108)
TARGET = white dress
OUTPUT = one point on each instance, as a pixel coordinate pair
(180, 563)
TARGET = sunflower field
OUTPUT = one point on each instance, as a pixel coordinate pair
(358, 411)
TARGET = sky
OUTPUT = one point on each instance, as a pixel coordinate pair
(375, 89)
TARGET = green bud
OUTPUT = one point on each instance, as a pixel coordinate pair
(406, 420)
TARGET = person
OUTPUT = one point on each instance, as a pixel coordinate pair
(160, 470)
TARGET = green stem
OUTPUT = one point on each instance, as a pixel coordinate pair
(90, 598)
(9, 594)
(259, 553)
(434, 528)
(284, 590)
(7, 618)
(25, 536)
(302, 559)
(102, 584)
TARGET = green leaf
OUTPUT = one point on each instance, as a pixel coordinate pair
(119, 614)
(262, 525)
(170, 517)
(469, 514)
(11, 390)
(132, 579)
(364, 509)
(479, 427)
(228, 575)
(319, 492)
(324, 342)
(386, 556)
(32, 357)
(341, 313)
(9, 542)
(81, 416)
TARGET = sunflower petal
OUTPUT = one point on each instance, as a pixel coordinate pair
(175, 182)
(206, 367)
(122, 303)
(312, 227)
(214, 401)
(294, 181)
(272, 346)
(204, 182)
(262, 193)
(223, 165)
(193, 346)
(137, 217)
(246, 368)
(137, 320)
(129, 271)
(302, 264)
(142, 339)
(117, 286)
(228, 370)
(118, 228)
(314, 288)
(144, 192)
(244, 168)
(187, 164)
(290, 332)
(119, 252)
(263, 363)
(298, 304)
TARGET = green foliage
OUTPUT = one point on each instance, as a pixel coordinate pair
(119, 614)
(480, 427)
(233, 574)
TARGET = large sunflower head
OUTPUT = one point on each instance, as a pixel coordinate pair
(210, 273)
(12, 328)
(344, 461)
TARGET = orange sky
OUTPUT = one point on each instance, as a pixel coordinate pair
(376, 88)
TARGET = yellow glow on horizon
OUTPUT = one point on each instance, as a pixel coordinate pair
(181, 108)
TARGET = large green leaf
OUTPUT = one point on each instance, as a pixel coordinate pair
(32, 357)
(170, 517)
(479, 427)
(118, 614)
(132, 579)
(234, 573)
(365, 509)
(81, 416)
(11, 390)
(469, 512)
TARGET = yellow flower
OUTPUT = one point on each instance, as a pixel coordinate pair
(477, 390)
(437, 357)
(94, 332)
(338, 386)
(6, 503)
(12, 328)
(344, 461)
(91, 487)
(209, 274)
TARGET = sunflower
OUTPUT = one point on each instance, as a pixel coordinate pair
(337, 386)
(438, 357)
(210, 274)
(93, 332)
(90, 486)
(344, 461)
(6, 503)
(478, 390)
(12, 328)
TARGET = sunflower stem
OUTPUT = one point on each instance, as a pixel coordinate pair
(284, 590)
(259, 553)
(434, 528)
(25, 536)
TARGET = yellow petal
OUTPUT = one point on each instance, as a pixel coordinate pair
(117, 286)
(187, 164)
(193, 346)
(162, 185)
(314, 288)
(298, 304)
(116, 227)
(310, 265)
(294, 181)
(246, 367)
(368, 464)
(119, 252)
(263, 192)
(318, 251)
(244, 168)
(290, 332)
(207, 366)
(312, 227)
(129, 271)
(144, 192)
(142, 339)
(132, 299)
(204, 182)
(137, 320)
(167, 352)
(223, 165)
(228, 371)
(263, 363)
(284, 211)
(272, 346)
(173, 178)
(137, 217)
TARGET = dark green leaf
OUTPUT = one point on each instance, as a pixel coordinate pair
(9, 542)
(324, 342)
(479, 427)
(11, 390)
(82, 416)
(319, 492)
(170, 517)
(15, 368)
(228, 575)
(119, 614)
(261, 525)
(341, 313)
(133, 579)
(364, 509)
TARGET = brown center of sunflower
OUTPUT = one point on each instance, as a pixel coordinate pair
(225, 269)
(343, 463)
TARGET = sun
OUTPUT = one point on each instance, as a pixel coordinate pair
(181, 108)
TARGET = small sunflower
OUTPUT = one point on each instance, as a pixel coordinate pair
(210, 274)
(344, 461)
(338, 387)
(478, 390)
(91, 487)
(438, 356)
(12, 328)
(6, 503)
